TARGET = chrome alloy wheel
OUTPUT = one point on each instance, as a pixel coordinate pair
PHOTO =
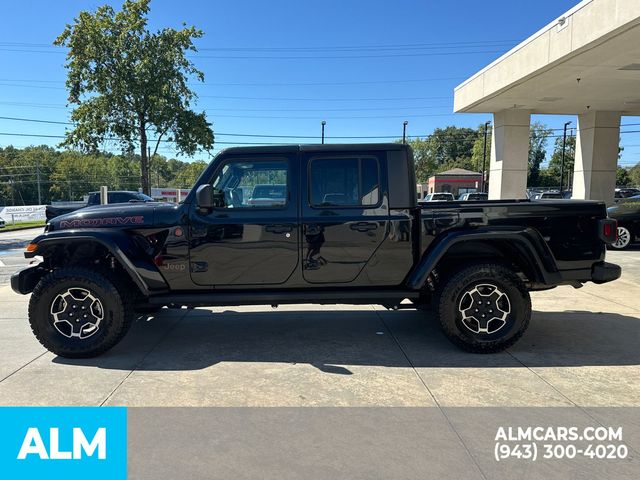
(624, 238)
(77, 313)
(484, 308)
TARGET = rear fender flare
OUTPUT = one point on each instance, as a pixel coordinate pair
(530, 245)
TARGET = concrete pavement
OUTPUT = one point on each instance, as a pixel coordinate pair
(581, 349)
(579, 354)
(12, 245)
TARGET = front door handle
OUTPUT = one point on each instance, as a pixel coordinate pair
(278, 229)
(363, 226)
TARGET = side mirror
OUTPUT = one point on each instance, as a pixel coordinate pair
(204, 197)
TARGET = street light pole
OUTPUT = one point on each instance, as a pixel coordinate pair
(404, 132)
(323, 124)
(564, 142)
(484, 153)
(38, 180)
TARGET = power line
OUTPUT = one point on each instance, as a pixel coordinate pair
(294, 57)
(278, 99)
(274, 84)
(458, 136)
(322, 47)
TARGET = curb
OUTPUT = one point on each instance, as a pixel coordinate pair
(2, 230)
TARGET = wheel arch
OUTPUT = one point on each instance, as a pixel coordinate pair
(65, 248)
(524, 248)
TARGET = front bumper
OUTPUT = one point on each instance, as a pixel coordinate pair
(604, 272)
(25, 280)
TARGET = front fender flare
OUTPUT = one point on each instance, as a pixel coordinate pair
(141, 270)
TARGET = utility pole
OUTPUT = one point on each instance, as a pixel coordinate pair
(323, 124)
(564, 142)
(573, 156)
(404, 132)
(484, 154)
(149, 168)
(38, 178)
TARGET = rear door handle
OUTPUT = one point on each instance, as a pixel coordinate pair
(278, 229)
(363, 226)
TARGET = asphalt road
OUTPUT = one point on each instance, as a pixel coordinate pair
(12, 245)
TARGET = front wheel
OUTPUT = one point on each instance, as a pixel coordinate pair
(484, 308)
(77, 313)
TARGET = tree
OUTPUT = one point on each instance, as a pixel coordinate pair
(538, 135)
(623, 178)
(188, 175)
(478, 152)
(634, 175)
(130, 84)
(445, 148)
(555, 164)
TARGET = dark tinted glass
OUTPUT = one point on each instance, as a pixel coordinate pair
(344, 182)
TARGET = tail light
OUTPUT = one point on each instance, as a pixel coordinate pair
(608, 230)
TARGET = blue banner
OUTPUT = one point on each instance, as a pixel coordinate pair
(63, 443)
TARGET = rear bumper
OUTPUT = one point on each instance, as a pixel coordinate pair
(25, 280)
(604, 272)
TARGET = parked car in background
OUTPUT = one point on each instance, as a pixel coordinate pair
(551, 195)
(268, 195)
(115, 196)
(625, 192)
(473, 197)
(2, 223)
(627, 213)
(439, 197)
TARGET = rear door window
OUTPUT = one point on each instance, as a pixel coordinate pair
(346, 182)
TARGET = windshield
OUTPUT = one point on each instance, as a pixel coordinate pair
(144, 198)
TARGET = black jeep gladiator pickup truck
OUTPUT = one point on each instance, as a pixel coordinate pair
(322, 224)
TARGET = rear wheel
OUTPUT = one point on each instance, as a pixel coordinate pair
(484, 308)
(76, 312)
(624, 238)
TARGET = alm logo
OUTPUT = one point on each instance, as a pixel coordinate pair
(63, 443)
(33, 444)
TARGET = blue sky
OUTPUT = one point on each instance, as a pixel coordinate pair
(280, 67)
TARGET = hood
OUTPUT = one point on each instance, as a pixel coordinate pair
(628, 207)
(122, 215)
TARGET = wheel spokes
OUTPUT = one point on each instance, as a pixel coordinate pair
(484, 308)
(76, 313)
(623, 239)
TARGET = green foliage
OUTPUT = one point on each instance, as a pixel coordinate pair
(555, 164)
(623, 179)
(188, 175)
(70, 175)
(445, 148)
(130, 84)
(634, 175)
(478, 153)
(537, 140)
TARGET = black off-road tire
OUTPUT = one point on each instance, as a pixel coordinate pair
(457, 308)
(115, 307)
